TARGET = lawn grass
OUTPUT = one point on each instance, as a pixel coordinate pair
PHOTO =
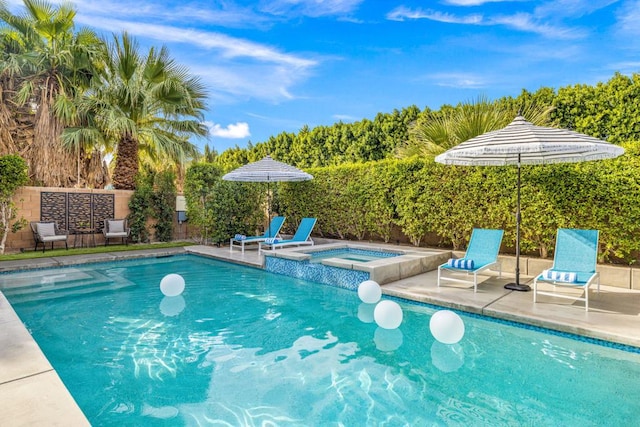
(30, 254)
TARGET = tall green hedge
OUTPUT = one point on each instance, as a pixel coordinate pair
(421, 197)
(219, 209)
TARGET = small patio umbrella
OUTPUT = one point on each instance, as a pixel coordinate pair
(521, 142)
(267, 170)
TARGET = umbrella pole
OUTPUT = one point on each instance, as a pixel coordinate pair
(517, 286)
(269, 209)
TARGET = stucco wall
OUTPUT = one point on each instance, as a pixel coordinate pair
(27, 200)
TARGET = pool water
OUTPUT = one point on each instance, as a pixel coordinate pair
(244, 347)
(351, 254)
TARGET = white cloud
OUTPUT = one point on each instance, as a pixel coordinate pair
(232, 131)
(558, 9)
(520, 21)
(457, 80)
(345, 118)
(629, 19)
(627, 67)
(527, 23)
(226, 14)
(228, 47)
(401, 13)
(311, 8)
(234, 69)
(472, 2)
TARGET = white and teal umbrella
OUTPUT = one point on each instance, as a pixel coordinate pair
(522, 142)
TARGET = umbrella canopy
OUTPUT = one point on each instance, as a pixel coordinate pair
(522, 142)
(267, 170)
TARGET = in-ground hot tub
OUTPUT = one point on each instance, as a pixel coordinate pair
(347, 265)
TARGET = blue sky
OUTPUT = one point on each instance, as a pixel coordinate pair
(277, 65)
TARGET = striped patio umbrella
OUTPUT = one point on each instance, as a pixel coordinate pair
(267, 170)
(522, 142)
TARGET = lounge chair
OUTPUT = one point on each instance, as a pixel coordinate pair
(48, 232)
(481, 255)
(301, 237)
(273, 231)
(574, 264)
(116, 229)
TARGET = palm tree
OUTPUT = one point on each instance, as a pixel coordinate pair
(143, 108)
(47, 63)
(438, 131)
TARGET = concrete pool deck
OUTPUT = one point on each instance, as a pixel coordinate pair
(33, 394)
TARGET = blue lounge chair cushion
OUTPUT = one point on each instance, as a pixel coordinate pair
(271, 240)
(462, 263)
(560, 276)
(240, 237)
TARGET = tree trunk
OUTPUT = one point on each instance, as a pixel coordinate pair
(95, 170)
(8, 123)
(6, 214)
(124, 174)
(49, 163)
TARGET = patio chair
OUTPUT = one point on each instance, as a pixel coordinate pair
(114, 229)
(301, 237)
(48, 232)
(481, 255)
(574, 265)
(273, 231)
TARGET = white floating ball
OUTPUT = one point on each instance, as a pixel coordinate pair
(369, 291)
(388, 314)
(172, 285)
(388, 339)
(446, 326)
(365, 312)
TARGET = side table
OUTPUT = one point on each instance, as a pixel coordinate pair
(81, 232)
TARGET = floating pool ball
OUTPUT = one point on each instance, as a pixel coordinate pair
(388, 314)
(172, 285)
(369, 291)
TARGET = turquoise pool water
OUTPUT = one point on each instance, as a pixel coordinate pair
(351, 254)
(245, 347)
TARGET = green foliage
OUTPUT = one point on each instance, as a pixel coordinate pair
(362, 141)
(153, 199)
(434, 133)
(141, 208)
(220, 209)
(424, 199)
(13, 175)
(163, 205)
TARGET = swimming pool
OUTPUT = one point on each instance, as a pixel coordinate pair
(245, 347)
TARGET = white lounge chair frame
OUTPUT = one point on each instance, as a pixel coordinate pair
(300, 238)
(484, 247)
(585, 266)
(273, 229)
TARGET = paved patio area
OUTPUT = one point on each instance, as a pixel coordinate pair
(33, 394)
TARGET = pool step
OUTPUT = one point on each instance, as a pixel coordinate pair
(63, 284)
